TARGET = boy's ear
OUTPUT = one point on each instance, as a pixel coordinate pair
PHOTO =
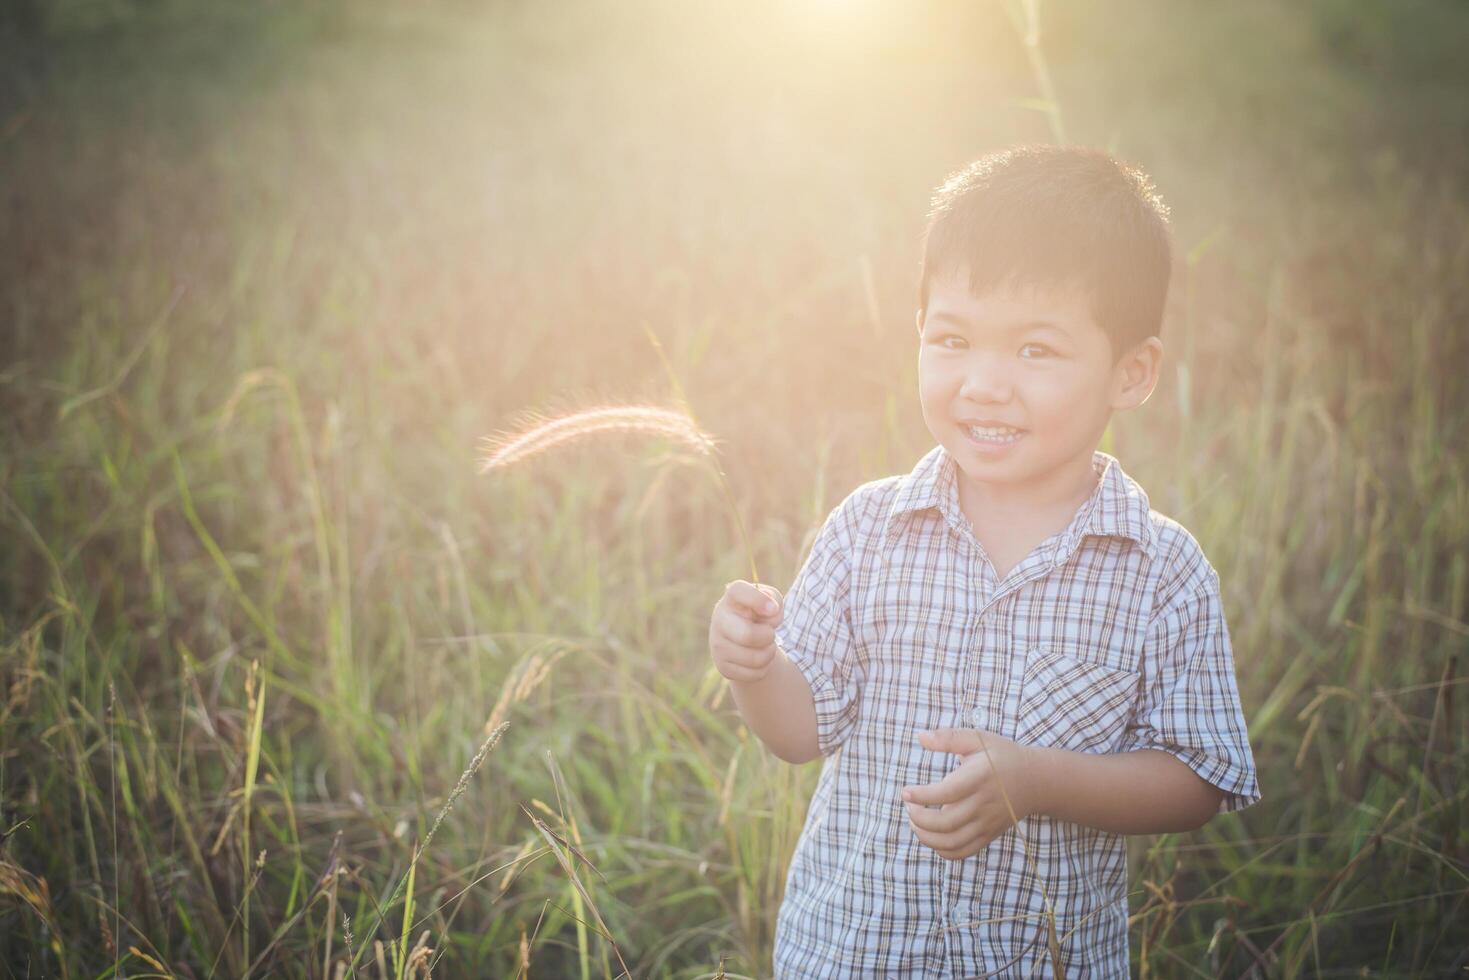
(1136, 374)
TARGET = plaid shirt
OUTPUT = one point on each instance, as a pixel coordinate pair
(1108, 637)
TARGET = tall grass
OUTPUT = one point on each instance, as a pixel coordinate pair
(269, 274)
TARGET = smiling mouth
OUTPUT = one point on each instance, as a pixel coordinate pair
(993, 435)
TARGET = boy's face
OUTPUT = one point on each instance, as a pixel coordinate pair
(1018, 384)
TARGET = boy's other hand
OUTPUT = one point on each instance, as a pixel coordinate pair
(973, 797)
(742, 630)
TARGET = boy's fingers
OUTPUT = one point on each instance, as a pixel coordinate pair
(966, 849)
(945, 821)
(733, 653)
(743, 674)
(950, 842)
(751, 599)
(731, 625)
(770, 615)
(960, 741)
(742, 632)
(950, 789)
(760, 637)
(923, 795)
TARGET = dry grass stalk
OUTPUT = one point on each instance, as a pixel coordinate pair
(1053, 945)
(524, 954)
(34, 892)
(526, 678)
(459, 787)
(540, 434)
(474, 766)
(420, 960)
(552, 840)
(347, 936)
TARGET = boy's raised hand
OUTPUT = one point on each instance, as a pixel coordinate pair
(742, 630)
(978, 797)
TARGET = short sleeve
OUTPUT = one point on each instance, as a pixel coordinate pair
(1190, 706)
(816, 632)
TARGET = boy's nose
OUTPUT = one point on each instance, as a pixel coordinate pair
(986, 382)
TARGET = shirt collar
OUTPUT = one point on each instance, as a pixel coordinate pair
(1118, 507)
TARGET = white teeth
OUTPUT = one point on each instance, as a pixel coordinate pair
(999, 435)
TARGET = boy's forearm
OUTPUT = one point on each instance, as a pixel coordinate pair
(1142, 792)
(781, 710)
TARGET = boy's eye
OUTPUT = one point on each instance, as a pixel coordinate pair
(1033, 351)
(943, 340)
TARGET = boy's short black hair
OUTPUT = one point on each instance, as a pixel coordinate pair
(1056, 216)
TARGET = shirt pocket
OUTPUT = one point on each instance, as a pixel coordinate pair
(1073, 704)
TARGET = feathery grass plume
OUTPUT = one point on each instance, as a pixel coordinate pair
(540, 434)
(537, 434)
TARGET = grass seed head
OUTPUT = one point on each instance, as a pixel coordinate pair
(540, 434)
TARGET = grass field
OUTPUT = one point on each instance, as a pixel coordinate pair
(268, 272)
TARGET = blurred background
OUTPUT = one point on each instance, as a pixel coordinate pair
(269, 271)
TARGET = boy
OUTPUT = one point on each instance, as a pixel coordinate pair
(1008, 632)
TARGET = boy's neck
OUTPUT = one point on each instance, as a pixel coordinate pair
(1052, 497)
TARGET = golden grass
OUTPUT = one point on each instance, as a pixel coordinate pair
(540, 434)
(253, 471)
